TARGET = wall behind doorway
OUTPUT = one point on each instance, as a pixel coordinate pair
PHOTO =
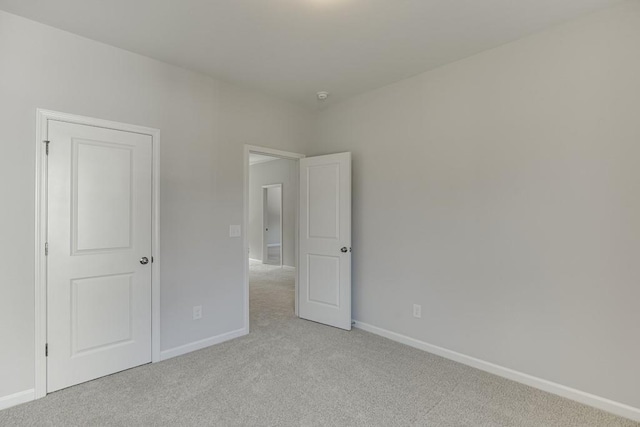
(285, 172)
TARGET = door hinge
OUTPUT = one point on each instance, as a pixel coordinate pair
(151, 260)
(46, 249)
(46, 350)
(47, 146)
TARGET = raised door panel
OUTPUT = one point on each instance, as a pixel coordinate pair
(323, 201)
(100, 301)
(324, 279)
(102, 214)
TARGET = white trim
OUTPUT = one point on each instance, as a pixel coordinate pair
(608, 405)
(40, 306)
(265, 245)
(17, 398)
(276, 153)
(40, 288)
(198, 345)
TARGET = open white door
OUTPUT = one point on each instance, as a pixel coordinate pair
(99, 260)
(325, 240)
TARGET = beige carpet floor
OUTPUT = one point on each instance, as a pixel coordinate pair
(291, 372)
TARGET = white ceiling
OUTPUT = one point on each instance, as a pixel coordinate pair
(294, 48)
(254, 159)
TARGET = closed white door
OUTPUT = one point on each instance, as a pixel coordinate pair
(99, 252)
(325, 240)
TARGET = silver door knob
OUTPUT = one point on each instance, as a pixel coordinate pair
(144, 260)
(344, 249)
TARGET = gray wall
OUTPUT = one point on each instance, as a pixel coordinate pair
(502, 193)
(204, 125)
(283, 172)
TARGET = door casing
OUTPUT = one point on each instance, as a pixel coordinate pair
(40, 302)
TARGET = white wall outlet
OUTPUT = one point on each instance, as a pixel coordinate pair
(197, 312)
(417, 311)
(234, 231)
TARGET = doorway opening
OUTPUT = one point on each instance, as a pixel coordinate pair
(313, 275)
(271, 234)
(273, 221)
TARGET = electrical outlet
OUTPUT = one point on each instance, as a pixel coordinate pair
(417, 311)
(197, 312)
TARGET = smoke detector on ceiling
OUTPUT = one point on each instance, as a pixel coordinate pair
(322, 95)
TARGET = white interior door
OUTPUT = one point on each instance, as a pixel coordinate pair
(272, 224)
(325, 240)
(99, 241)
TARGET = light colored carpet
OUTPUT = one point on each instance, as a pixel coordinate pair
(290, 372)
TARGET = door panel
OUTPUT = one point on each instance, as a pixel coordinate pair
(99, 227)
(325, 229)
(324, 279)
(324, 201)
(101, 223)
(98, 301)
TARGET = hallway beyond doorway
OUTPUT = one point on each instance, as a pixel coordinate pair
(271, 292)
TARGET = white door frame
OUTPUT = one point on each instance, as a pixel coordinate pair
(265, 224)
(40, 303)
(248, 149)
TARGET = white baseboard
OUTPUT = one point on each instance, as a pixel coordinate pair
(29, 395)
(197, 345)
(17, 398)
(608, 405)
(283, 265)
